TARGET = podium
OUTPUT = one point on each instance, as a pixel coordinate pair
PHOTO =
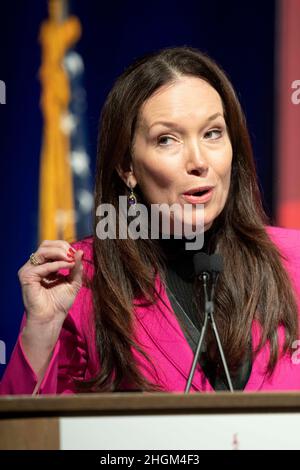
(152, 421)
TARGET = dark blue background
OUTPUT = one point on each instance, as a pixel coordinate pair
(239, 35)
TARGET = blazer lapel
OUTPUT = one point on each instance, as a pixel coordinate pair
(160, 324)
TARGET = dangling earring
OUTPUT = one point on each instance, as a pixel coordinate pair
(132, 200)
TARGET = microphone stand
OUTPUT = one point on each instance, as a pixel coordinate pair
(209, 316)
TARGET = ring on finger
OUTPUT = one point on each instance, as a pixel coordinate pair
(34, 260)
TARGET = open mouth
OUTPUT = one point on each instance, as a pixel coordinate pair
(200, 196)
(199, 193)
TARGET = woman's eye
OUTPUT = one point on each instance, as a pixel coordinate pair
(163, 140)
(214, 134)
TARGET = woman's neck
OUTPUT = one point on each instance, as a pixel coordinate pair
(177, 257)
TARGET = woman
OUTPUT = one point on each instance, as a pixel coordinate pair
(98, 317)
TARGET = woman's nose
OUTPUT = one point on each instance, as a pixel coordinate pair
(196, 160)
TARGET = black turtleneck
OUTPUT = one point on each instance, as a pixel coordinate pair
(182, 292)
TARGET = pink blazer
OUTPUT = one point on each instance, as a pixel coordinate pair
(160, 335)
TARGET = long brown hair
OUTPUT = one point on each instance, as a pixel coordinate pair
(255, 286)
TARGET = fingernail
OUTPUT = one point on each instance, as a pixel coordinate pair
(70, 255)
(72, 249)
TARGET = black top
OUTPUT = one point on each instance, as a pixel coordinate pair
(182, 293)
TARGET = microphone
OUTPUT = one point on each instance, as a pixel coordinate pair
(208, 267)
(202, 263)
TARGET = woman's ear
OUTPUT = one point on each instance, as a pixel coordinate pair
(129, 179)
(126, 173)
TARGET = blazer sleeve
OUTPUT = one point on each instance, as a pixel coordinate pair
(68, 361)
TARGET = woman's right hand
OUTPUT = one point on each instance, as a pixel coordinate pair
(47, 294)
